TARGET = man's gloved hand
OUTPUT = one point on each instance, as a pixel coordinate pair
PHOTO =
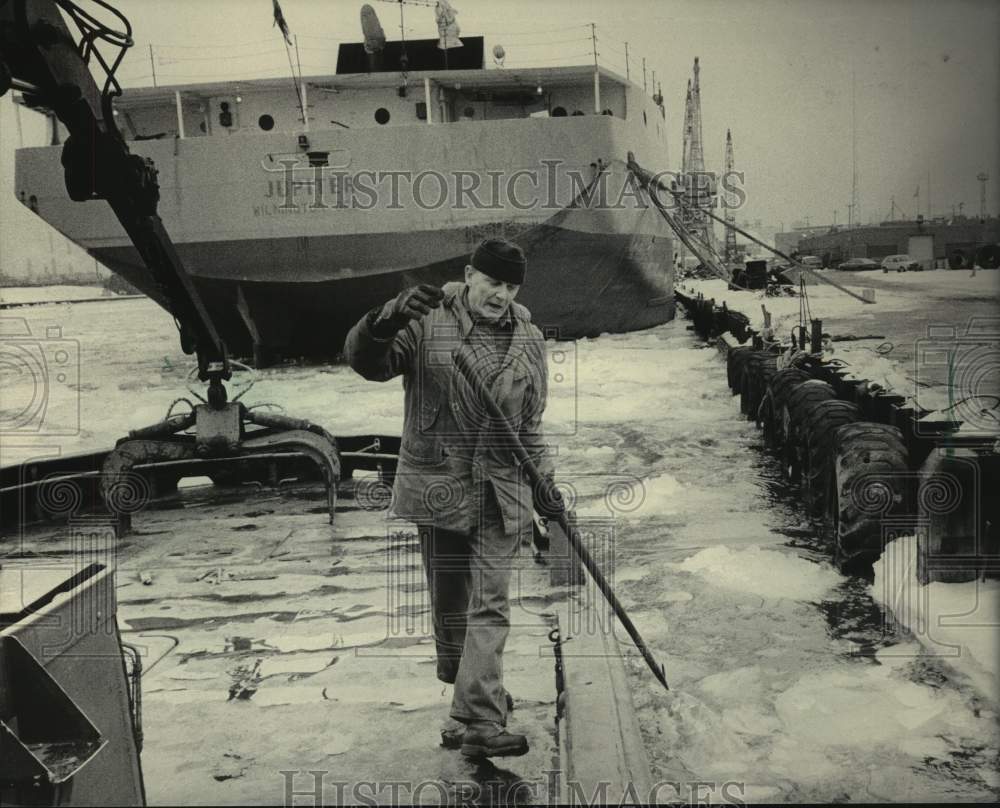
(410, 304)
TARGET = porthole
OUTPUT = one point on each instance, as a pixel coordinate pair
(382, 115)
(265, 122)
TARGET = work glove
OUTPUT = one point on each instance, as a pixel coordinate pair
(410, 304)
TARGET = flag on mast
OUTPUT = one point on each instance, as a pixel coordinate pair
(447, 25)
(279, 20)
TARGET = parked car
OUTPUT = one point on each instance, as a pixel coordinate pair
(900, 263)
(858, 264)
(811, 261)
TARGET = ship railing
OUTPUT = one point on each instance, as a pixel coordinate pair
(169, 63)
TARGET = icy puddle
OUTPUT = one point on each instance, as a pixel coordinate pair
(787, 682)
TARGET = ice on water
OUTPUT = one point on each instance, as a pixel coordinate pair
(767, 573)
(762, 690)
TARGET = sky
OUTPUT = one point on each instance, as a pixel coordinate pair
(925, 77)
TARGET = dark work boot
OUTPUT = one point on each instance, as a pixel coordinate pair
(490, 740)
(453, 731)
(452, 734)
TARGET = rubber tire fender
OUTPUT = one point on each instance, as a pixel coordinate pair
(792, 415)
(754, 367)
(757, 391)
(871, 485)
(734, 366)
(821, 423)
(778, 390)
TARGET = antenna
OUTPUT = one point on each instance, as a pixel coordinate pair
(854, 148)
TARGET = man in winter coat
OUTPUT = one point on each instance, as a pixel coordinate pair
(457, 477)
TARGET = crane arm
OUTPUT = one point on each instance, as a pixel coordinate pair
(40, 57)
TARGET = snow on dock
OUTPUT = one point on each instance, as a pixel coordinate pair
(955, 621)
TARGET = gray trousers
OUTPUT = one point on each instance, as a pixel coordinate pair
(468, 576)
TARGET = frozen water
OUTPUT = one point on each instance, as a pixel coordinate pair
(51, 294)
(759, 635)
(823, 708)
(766, 573)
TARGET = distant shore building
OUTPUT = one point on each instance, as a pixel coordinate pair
(954, 242)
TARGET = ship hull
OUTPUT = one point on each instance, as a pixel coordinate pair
(287, 259)
(579, 284)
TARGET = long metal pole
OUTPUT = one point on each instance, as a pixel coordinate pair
(780, 254)
(645, 177)
(302, 88)
(597, 71)
(152, 63)
(296, 85)
(180, 114)
(551, 496)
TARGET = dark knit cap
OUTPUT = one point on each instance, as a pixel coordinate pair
(500, 259)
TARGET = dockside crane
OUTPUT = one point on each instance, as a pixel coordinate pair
(699, 188)
(686, 148)
(731, 256)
